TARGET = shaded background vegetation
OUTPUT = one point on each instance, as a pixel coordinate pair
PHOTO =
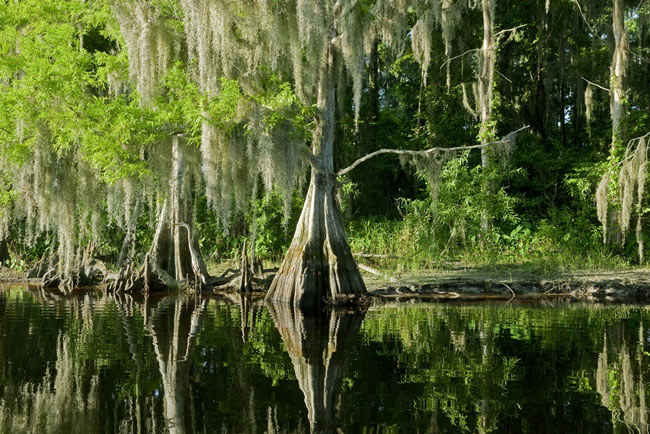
(541, 205)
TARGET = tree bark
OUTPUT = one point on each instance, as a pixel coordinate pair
(245, 283)
(129, 237)
(319, 264)
(180, 213)
(169, 259)
(617, 74)
(170, 249)
(487, 57)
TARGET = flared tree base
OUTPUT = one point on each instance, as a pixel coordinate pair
(318, 266)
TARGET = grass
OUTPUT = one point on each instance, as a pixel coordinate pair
(545, 250)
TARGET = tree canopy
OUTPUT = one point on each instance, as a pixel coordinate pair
(118, 117)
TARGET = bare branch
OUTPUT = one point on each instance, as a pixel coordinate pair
(426, 151)
(511, 30)
(442, 65)
(496, 35)
(499, 72)
(596, 84)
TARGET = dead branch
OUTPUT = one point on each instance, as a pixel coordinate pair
(426, 151)
(596, 84)
(511, 291)
(377, 273)
(369, 255)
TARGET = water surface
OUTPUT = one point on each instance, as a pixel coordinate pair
(93, 363)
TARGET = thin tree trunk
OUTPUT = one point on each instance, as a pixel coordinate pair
(4, 252)
(319, 264)
(487, 58)
(617, 74)
(373, 84)
(562, 62)
(578, 105)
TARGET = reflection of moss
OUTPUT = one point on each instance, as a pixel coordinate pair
(466, 368)
(66, 400)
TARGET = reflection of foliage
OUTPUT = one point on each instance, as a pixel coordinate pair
(65, 401)
(464, 360)
(622, 367)
(460, 368)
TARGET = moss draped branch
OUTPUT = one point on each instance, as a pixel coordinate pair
(425, 152)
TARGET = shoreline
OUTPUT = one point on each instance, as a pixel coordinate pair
(473, 284)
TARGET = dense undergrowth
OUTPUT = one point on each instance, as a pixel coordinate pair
(426, 232)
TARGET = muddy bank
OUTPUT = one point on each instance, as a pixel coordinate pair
(477, 284)
(631, 285)
(9, 275)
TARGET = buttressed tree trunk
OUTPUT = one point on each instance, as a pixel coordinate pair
(319, 264)
(168, 260)
(169, 255)
(318, 345)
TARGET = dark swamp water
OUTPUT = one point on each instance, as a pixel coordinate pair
(97, 364)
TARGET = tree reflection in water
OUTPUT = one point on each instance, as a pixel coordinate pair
(94, 364)
(174, 324)
(619, 378)
(318, 344)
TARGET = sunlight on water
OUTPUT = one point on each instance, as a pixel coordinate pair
(93, 363)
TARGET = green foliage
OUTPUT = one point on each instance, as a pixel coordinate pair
(67, 91)
(272, 230)
(435, 234)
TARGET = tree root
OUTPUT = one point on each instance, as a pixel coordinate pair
(250, 277)
(89, 271)
(147, 278)
(243, 283)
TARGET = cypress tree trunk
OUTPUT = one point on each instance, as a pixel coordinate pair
(180, 213)
(169, 259)
(319, 263)
(170, 249)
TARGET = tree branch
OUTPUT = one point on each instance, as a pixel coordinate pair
(496, 35)
(596, 84)
(309, 156)
(426, 151)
